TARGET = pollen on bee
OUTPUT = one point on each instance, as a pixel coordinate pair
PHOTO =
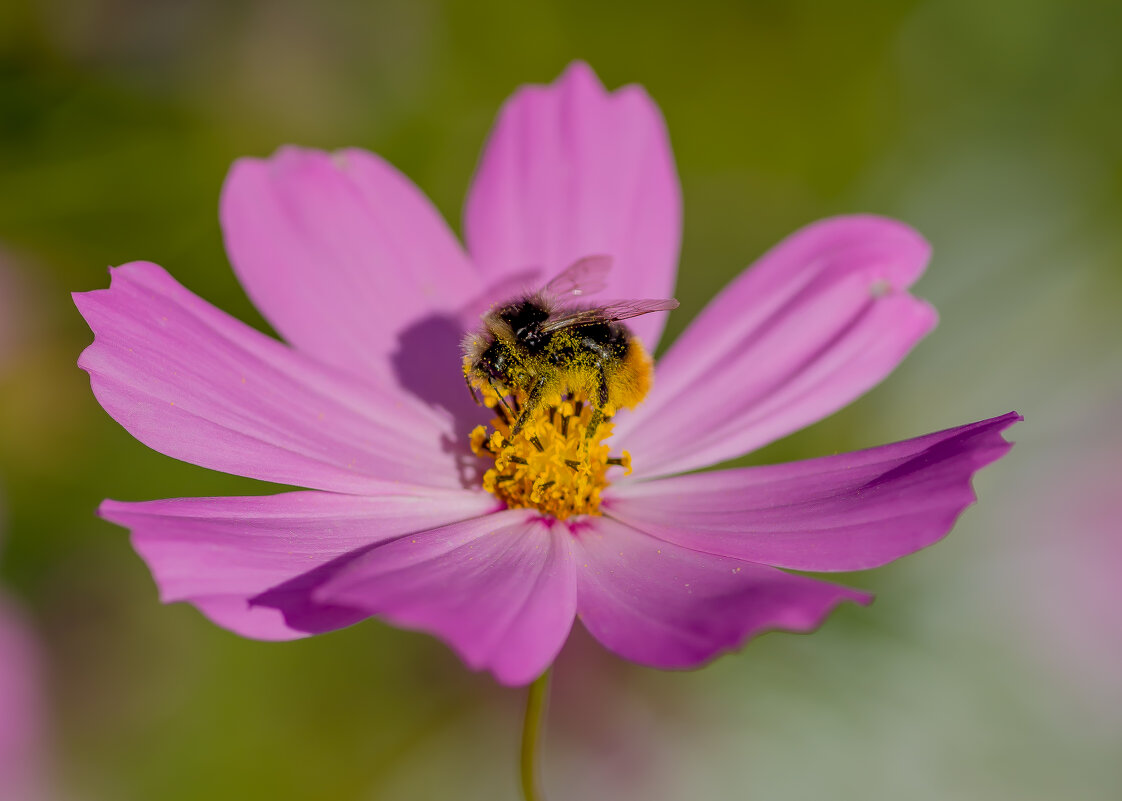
(551, 464)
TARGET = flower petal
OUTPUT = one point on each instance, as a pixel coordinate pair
(668, 607)
(23, 762)
(819, 320)
(343, 255)
(852, 511)
(571, 170)
(251, 563)
(194, 383)
(499, 589)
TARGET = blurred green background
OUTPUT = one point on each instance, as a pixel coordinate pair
(991, 666)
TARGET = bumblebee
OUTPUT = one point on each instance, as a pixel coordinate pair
(543, 344)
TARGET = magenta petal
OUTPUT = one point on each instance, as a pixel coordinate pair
(668, 607)
(816, 322)
(342, 253)
(23, 774)
(499, 589)
(251, 564)
(847, 512)
(193, 383)
(571, 170)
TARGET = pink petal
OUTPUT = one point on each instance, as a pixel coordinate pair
(847, 512)
(500, 590)
(345, 256)
(193, 383)
(251, 564)
(23, 773)
(668, 607)
(816, 322)
(570, 171)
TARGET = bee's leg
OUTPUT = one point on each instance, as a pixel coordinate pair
(471, 389)
(600, 403)
(594, 422)
(501, 407)
(600, 397)
(533, 400)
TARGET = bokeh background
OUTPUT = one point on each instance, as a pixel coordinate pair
(991, 665)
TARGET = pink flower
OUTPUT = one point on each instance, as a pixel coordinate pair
(22, 748)
(366, 406)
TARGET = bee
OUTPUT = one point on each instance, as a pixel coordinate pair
(542, 344)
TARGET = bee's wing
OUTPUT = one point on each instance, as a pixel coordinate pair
(608, 313)
(585, 276)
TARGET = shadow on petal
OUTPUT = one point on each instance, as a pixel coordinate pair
(427, 362)
(294, 598)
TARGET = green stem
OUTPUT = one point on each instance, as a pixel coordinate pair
(531, 735)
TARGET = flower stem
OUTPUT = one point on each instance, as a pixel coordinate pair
(531, 735)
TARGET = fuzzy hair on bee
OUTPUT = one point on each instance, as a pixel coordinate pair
(541, 345)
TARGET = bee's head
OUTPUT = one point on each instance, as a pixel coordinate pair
(486, 357)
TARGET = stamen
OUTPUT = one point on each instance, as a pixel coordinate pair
(622, 461)
(551, 464)
(557, 462)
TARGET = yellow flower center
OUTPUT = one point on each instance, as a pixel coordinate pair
(550, 464)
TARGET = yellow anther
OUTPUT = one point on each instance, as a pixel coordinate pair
(551, 465)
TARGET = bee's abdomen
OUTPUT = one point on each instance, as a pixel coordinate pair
(630, 382)
(609, 341)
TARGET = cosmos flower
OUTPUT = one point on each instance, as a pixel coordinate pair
(366, 407)
(22, 751)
